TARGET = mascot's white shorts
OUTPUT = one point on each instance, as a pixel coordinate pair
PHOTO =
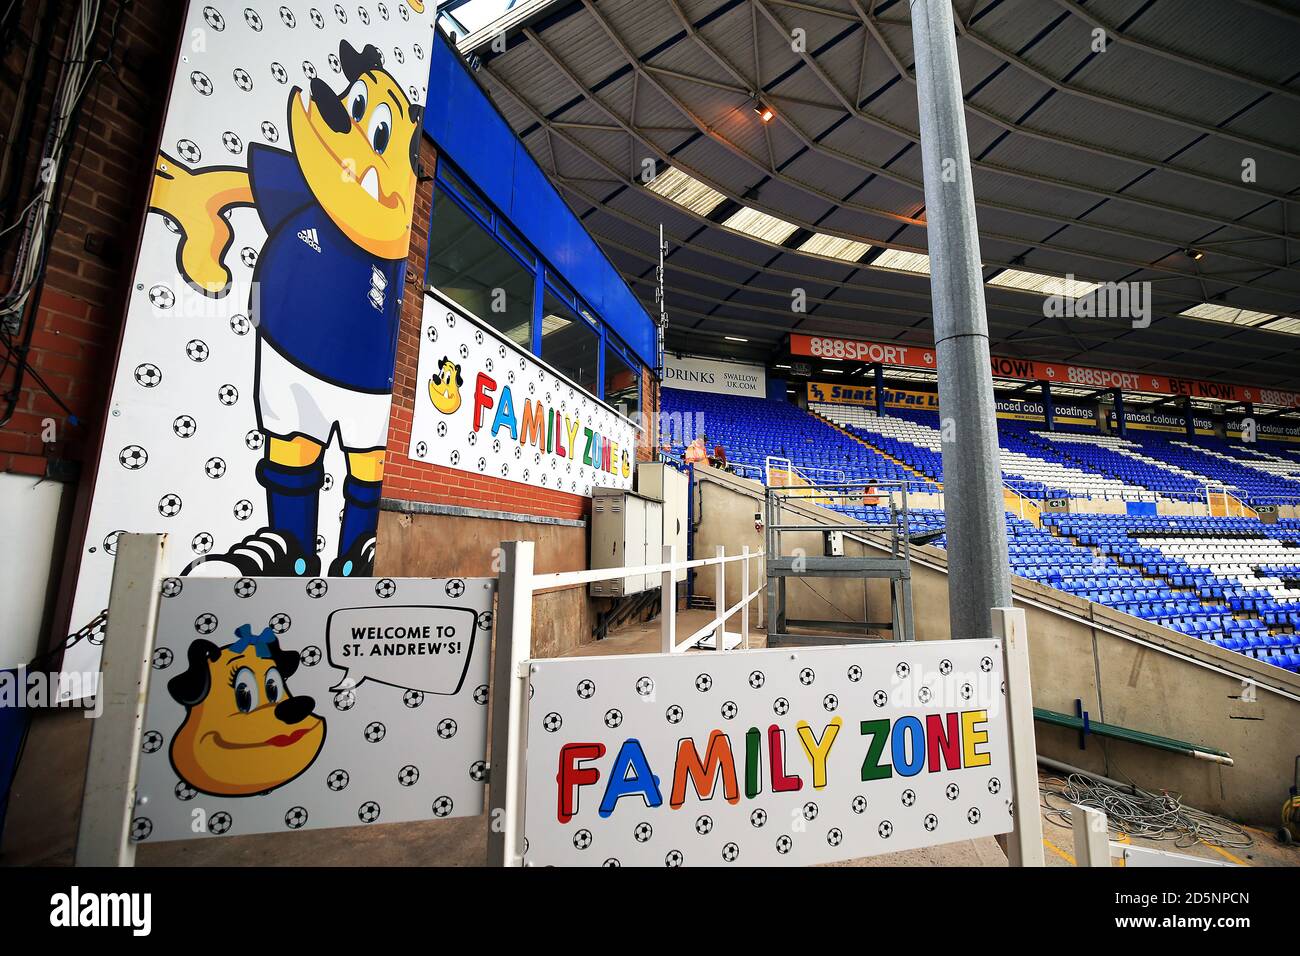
(292, 401)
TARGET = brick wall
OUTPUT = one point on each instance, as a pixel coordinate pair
(408, 480)
(79, 315)
(647, 444)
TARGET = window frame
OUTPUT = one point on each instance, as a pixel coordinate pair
(546, 279)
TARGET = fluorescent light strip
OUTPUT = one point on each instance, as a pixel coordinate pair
(1042, 284)
(1228, 315)
(917, 263)
(554, 323)
(848, 250)
(685, 190)
(760, 225)
(1283, 324)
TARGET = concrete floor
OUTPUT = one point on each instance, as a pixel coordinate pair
(41, 829)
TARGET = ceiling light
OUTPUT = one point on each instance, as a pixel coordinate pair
(820, 244)
(783, 366)
(734, 338)
(899, 261)
(1283, 325)
(685, 190)
(1227, 314)
(553, 323)
(1194, 254)
(760, 225)
(764, 112)
(1070, 287)
(832, 371)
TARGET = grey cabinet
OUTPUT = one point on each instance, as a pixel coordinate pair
(626, 532)
(656, 480)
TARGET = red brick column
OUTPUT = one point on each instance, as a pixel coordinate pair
(406, 479)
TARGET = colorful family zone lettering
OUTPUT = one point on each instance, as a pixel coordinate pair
(905, 746)
(548, 429)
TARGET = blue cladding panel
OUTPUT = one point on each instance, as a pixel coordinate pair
(469, 131)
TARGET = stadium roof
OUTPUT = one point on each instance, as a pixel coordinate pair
(1170, 157)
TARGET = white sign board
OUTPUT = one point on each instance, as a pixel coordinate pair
(282, 704)
(256, 361)
(708, 375)
(484, 406)
(765, 758)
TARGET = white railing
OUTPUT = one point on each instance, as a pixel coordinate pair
(669, 644)
(772, 463)
(799, 473)
(1228, 497)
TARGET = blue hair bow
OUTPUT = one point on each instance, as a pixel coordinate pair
(261, 643)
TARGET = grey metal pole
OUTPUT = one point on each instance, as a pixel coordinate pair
(978, 576)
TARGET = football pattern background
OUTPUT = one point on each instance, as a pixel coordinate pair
(661, 700)
(181, 440)
(390, 753)
(450, 333)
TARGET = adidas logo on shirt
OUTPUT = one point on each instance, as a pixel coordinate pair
(309, 236)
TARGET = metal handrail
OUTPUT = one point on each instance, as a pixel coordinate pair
(668, 569)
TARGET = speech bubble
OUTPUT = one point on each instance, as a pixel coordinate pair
(417, 647)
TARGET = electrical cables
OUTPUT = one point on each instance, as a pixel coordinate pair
(1150, 816)
(40, 218)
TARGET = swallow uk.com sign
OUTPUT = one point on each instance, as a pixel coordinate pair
(765, 758)
(286, 704)
(484, 406)
(711, 375)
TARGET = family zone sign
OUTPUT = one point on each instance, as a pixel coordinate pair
(765, 757)
(277, 704)
(486, 407)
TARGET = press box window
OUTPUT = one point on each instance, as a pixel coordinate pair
(622, 384)
(569, 344)
(468, 265)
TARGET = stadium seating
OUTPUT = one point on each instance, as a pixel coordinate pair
(751, 430)
(914, 437)
(1230, 581)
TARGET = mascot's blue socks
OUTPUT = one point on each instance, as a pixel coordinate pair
(292, 496)
(360, 513)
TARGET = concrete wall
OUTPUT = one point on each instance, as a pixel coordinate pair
(441, 545)
(1125, 670)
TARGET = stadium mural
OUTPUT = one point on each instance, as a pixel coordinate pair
(249, 408)
(485, 406)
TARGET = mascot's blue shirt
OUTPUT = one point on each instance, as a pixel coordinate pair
(322, 301)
